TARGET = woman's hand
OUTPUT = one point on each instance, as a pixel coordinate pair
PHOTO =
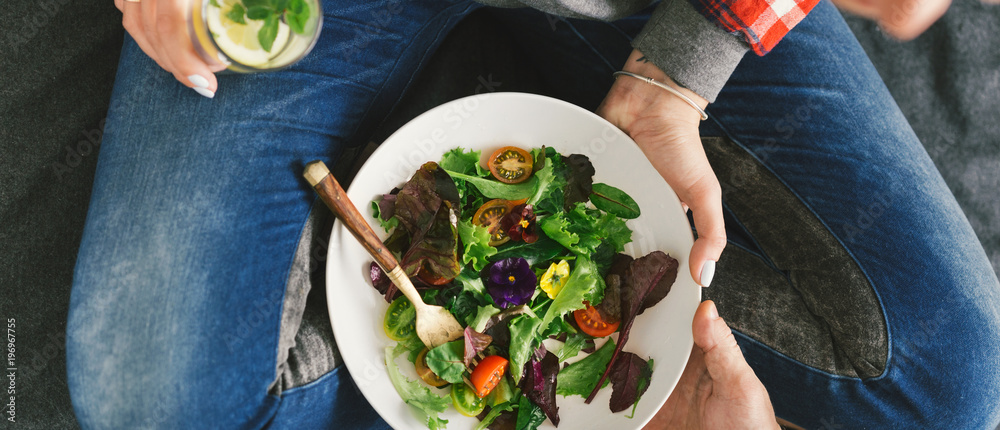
(718, 389)
(161, 30)
(666, 129)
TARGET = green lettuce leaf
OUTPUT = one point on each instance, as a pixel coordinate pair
(523, 341)
(580, 378)
(476, 244)
(446, 360)
(462, 161)
(584, 284)
(415, 393)
(483, 315)
(549, 196)
(613, 231)
(583, 230)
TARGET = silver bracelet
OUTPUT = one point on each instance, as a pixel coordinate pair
(652, 81)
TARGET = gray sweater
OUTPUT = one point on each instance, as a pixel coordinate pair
(690, 49)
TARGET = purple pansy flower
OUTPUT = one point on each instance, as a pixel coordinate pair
(510, 282)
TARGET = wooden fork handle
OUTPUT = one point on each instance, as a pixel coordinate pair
(333, 195)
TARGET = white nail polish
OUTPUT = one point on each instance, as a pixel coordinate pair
(204, 91)
(198, 81)
(707, 273)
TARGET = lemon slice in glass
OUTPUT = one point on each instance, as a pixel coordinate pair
(239, 41)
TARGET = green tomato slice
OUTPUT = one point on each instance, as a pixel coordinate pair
(400, 319)
(466, 401)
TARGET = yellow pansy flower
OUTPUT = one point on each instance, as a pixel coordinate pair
(554, 279)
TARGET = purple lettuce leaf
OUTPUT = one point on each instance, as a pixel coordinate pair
(629, 380)
(539, 383)
(475, 342)
(642, 280)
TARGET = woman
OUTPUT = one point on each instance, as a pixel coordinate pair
(860, 294)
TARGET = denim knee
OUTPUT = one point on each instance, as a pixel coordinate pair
(946, 366)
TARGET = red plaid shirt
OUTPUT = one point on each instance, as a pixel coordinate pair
(762, 22)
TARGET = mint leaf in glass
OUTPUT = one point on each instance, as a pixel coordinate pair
(236, 14)
(297, 15)
(268, 33)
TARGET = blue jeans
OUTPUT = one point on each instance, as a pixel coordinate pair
(198, 207)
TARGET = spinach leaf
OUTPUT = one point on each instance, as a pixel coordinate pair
(581, 377)
(446, 360)
(414, 393)
(493, 414)
(529, 415)
(540, 252)
(614, 201)
(574, 343)
(499, 190)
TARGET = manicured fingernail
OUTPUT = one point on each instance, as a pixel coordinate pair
(713, 311)
(204, 91)
(198, 81)
(707, 273)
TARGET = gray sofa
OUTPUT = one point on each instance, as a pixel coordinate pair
(59, 64)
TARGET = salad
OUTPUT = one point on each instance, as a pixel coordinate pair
(525, 250)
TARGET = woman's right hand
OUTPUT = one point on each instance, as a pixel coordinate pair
(161, 30)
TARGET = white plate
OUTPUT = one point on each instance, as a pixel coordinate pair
(487, 122)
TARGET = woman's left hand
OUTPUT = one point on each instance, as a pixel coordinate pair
(666, 129)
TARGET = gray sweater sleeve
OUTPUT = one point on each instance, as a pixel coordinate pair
(689, 48)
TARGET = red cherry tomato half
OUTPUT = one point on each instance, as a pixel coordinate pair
(590, 322)
(489, 216)
(511, 165)
(487, 374)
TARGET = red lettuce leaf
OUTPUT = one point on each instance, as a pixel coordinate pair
(424, 207)
(382, 283)
(539, 383)
(475, 342)
(629, 380)
(641, 281)
(433, 254)
(387, 206)
(579, 178)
